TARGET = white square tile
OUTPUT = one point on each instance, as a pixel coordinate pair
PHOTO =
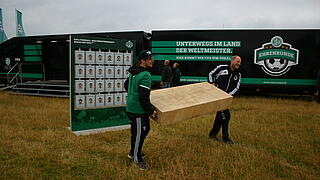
(118, 72)
(109, 85)
(79, 86)
(80, 101)
(100, 86)
(100, 57)
(90, 100)
(118, 58)
(79, 57)
(79, 71)
(127, 59)
(90, 57)
(109, 100)
(109, 70)
(118, 85)
(90, 71)
(100, 100)
(109, 58)
(100, 72)
(118, 99)
(90, 86)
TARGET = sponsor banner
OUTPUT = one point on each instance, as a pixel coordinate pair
(196, 44)
(193, 57)
(269, 57)
(193, 50)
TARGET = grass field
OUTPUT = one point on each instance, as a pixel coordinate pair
(274, 139)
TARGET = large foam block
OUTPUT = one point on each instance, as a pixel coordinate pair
(188, 101)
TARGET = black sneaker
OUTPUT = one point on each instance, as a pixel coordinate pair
(228, 141)
(130, 155)
(214, 138)
(142, 165)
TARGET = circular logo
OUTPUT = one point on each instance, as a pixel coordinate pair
(129, 44)
(276, 41)
(7, 61)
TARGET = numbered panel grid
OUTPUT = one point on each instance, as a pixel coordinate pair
(99, 78)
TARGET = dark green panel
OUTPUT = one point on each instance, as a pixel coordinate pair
(99, 118)
(31, 75)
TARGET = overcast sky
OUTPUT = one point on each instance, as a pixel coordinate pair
(43, 17)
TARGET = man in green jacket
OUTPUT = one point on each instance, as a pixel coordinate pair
(139, 108)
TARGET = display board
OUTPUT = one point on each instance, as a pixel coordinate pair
(269, 57)
(98, 71)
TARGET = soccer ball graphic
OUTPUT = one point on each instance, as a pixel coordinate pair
(276, 65)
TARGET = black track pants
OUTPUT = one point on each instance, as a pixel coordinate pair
(140, 127)
(222, 120)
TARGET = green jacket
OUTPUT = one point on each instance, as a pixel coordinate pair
(138, 86)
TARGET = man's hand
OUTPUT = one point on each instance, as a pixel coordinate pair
(154, 116)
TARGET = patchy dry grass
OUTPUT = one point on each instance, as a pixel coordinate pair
(275, 139)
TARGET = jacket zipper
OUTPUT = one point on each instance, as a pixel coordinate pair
(228, 83)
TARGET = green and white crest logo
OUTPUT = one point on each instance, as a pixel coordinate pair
(129, 44)
(276, 57)
(7, 61)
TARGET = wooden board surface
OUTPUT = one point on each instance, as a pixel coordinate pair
(189, 101)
